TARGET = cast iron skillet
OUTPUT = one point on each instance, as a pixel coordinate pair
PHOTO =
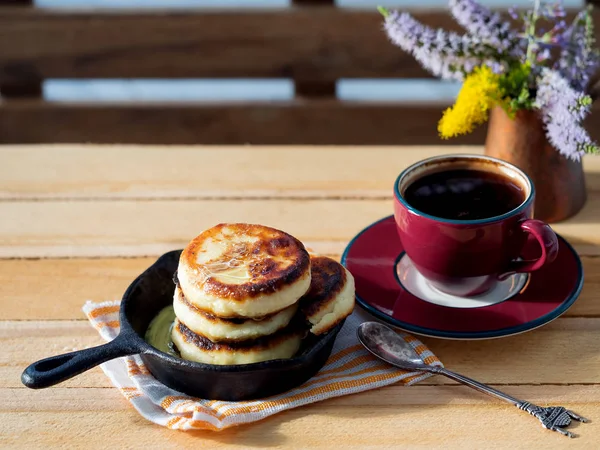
(144, 298)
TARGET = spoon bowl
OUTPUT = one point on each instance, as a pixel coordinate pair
(385, 343)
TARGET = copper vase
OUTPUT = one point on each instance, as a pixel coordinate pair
(559, 182)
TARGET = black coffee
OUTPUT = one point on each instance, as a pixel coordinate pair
(464, 194)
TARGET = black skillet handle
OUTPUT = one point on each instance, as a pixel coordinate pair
(50, 371)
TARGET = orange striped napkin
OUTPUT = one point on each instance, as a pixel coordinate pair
(350, 369)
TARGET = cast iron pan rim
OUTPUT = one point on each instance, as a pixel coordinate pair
(145, 348)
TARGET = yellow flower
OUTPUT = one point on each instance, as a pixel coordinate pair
(472, 104)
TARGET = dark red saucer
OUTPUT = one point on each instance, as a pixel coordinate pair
(372, 257)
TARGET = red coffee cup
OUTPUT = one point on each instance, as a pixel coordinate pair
(467, 257)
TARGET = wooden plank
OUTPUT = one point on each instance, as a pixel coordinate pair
(122, 171)
(314, 89)
(310, 122)
(308, 43)
(139, 227)
(90, 399)
(57, 289)
(305, 43)
(129, 228)
(11, 90)
(27, 286)
(426, 416)
(315, 122)
(412, 427)
(24, 342)
(20, 3)
(17, 88)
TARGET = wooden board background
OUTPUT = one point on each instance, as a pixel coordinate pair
(313, 43)
(326, 122)
(305, 43)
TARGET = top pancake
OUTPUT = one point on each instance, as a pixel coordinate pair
(243, 270)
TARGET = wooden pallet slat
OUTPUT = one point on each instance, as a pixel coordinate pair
(130, 171)
(17, 87)
(308, 43)
(312, 43)
(72, 281)
(311, 122)
(215, 172)
(26, 341)
(76, 399)
(305, 43)
(138, 227)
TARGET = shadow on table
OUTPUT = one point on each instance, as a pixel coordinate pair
(591, 210)
(546, 355)
(267, 433)
(263, 434)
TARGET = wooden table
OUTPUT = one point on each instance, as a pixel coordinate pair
(80, 222)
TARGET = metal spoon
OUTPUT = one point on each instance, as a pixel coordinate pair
(386, 344)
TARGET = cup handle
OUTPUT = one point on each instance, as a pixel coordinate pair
(548, 243)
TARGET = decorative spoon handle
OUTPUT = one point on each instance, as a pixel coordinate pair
(478, 386)
(554, 418)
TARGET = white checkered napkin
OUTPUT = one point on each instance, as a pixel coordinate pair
(350, 369)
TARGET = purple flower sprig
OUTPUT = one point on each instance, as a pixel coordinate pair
(445, 54)
(579, 58)
(562, 109)
(552, 10)
(487, 26)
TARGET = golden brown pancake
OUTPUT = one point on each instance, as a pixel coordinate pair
(330, 298)
(195, 347)
(243, 270)
(238, 329)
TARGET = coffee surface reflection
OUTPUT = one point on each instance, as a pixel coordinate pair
(464, 194)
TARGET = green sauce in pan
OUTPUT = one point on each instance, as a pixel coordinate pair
(158, 334)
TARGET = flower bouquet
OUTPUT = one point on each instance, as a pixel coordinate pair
(536, 77)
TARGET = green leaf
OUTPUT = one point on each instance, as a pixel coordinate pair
(586, 100)
(383, 11)
(515, 88)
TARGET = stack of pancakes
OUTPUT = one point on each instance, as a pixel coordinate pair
(245, 293)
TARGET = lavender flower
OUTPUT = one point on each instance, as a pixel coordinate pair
(498, 67)
(482, 23)
(578, 58)
(562, 110)
(444, 54)
(557, 31)
(553, 10)
(543, 54)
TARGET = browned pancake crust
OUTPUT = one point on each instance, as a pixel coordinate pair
(209, 316)
(268, 275)
(329, 328)
(327, 280)
(263, 343)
